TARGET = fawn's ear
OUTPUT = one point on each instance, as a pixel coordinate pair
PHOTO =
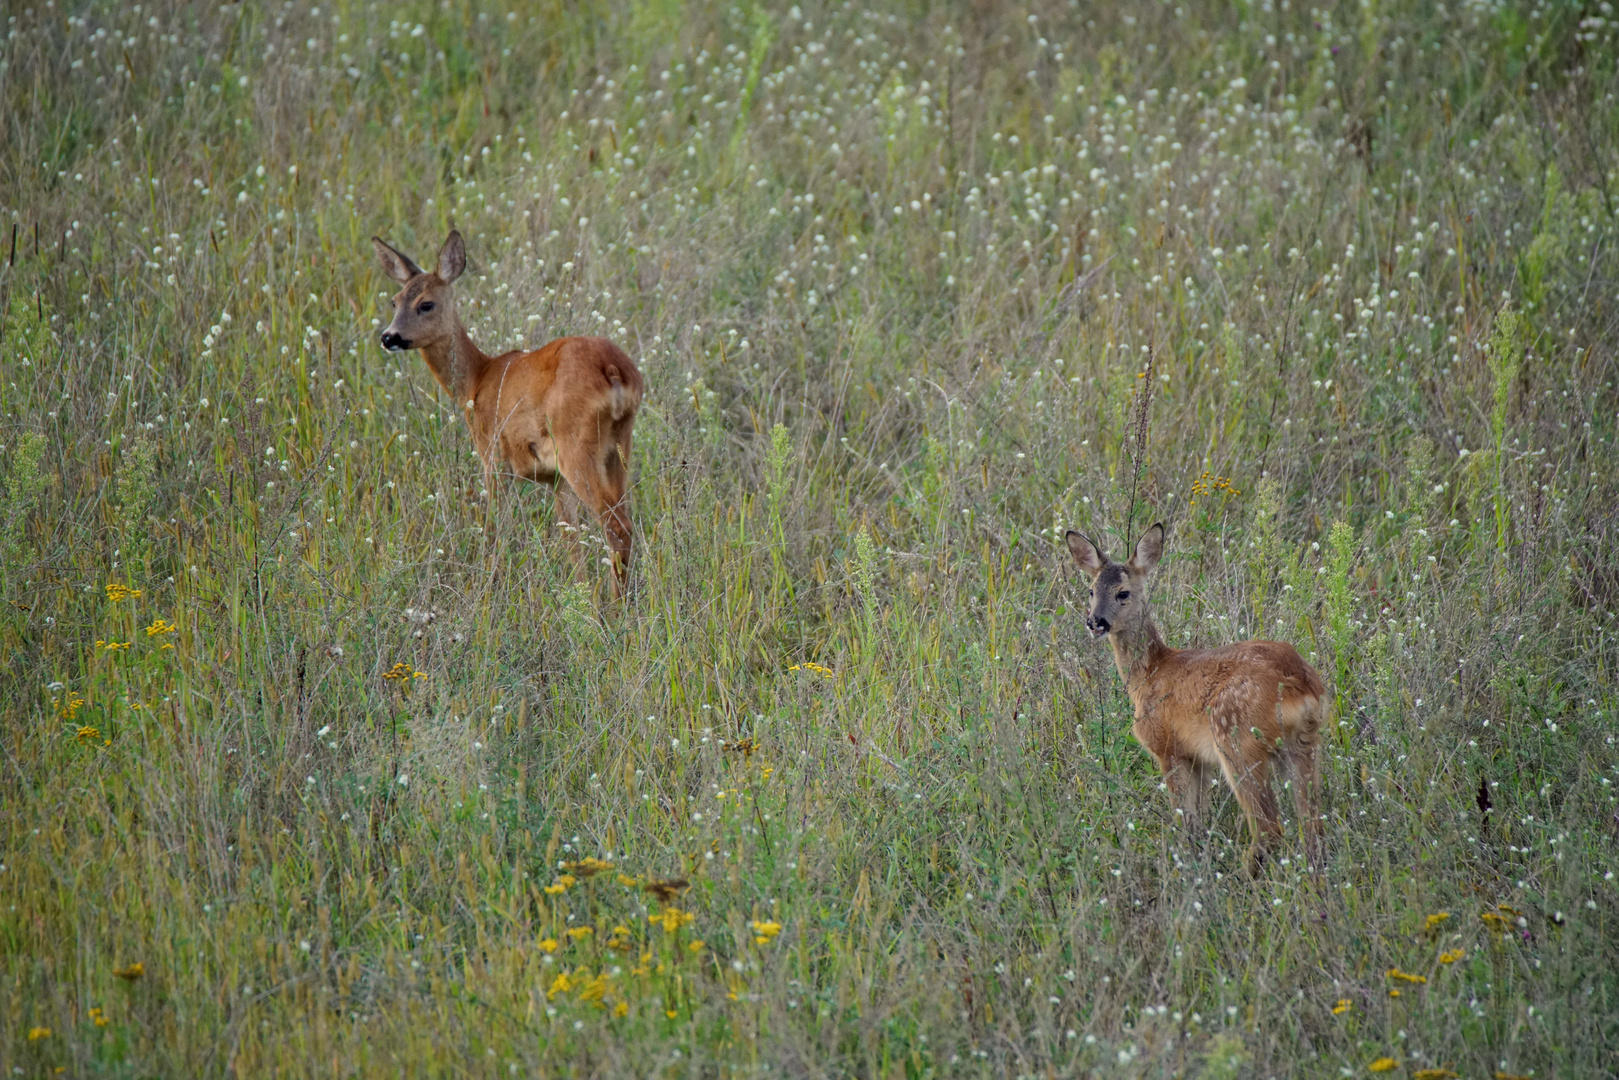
(452, 257)
(396, 265)
(1149, 549)
(1086, 554)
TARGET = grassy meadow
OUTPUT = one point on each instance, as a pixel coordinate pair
(318, 762)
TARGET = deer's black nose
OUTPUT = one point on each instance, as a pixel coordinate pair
(1099, 625)
(393, 342)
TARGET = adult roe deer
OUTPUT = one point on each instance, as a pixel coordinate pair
(1240, 708)
(564, 410)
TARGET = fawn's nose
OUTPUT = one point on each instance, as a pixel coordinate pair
(394, 342)
(1099, 626)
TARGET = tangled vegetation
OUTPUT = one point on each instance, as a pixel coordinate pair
(318, 761)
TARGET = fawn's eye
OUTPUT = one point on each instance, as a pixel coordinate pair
(425, 308)
(1124, 596)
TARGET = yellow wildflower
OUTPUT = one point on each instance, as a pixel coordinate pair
(1405, 976)
(1433, 921)
(88, 734)
(548, 945)
(555, 890)
(1433, 1074)
(621, 1009)
(578, 933)
(696, 946)
(595, 989)
(117, 592)
(130, 973)
(160, 627)
(1452, 956)
(628, 882)
(113, 646)
(1341, 1007)
(671, 1013)
(37, 1033)
(672, 919)
(1383, 1064)
(765, 932)
(560, 985)
(68, 706)
(98, 1017)
(1499, 1075)
(1496, 923)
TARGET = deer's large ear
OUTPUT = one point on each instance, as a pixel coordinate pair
(1149, 549)
(396, 265)
(452, 257)
(1086, 554)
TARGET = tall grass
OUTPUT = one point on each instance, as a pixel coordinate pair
(333, 748)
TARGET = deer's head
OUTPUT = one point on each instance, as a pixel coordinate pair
(424, 307)
(1118, 590)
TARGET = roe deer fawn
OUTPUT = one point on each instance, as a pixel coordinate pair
(563, 410)
(1240, 708)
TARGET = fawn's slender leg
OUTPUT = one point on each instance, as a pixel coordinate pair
(1188, 782)
(1249, 777)
(568, 520)
(1301, 761)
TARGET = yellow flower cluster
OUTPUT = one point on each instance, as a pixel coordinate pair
(671, 919)
(113, 646)
(1433, 1074)
(98, 1017)
(68, 705)
(118, 593)
(1435, 920)
(1207, 484)
(130, 973)
(88, 734)
(403, 671)
(160, 627)
(590, 988)
(1404, 976)
(816, 669)
(1341, 1007)
(765, 932)
(1383, 1064)
(37, 1033)
(562, 885)
(1452, 956)
(579, 933)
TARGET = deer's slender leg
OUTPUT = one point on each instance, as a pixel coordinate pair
(1188, 782)
(1248, 774)
(1300, 756)
(568, 520)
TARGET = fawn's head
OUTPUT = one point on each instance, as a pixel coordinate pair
(424, 309)
(1118, 590)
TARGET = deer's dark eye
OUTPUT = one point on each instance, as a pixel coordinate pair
(425, 308)
(1124, 596)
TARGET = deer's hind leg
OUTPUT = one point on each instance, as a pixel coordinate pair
(1188, 781)
(1299, 758)
(1246, 764)
(594, 470)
